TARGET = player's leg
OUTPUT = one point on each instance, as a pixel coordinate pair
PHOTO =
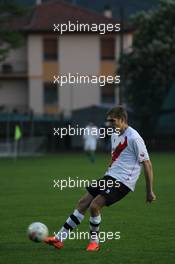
(94, 222)
(75, 218)
(72, 222)
(91, 155)
(92, 150)
(86, 149)
(84, 203)
(107, 196)
(89, 148)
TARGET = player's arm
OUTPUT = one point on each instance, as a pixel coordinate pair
(148, 171)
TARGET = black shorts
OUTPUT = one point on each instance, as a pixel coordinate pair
(110, 188)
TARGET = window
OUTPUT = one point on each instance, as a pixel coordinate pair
(107, 47)
(50, 48)
(108, 94)
(50, 94)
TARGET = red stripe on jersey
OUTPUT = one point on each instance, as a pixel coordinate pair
(116, 153)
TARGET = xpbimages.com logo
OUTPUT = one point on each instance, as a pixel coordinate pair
(101, 28)
(83, 183)
(69, 78)
(80, 235)
(82, 131)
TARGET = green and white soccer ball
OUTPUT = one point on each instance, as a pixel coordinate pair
(37, 232)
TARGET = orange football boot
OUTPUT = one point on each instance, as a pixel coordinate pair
(53, 241)
(93, 246)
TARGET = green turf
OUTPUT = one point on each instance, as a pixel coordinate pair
(27, 195)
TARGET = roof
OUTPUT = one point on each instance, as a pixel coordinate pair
(130, 7)
(58, 12)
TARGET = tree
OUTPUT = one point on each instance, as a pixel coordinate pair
(150, 68)
(9, 38)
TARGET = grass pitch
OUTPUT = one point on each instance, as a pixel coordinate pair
(27, 195)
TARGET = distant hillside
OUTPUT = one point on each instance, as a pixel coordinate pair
(130, 6)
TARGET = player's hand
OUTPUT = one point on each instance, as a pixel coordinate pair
(150, 197)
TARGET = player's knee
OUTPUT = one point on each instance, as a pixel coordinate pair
(82, 203)
(93, 207)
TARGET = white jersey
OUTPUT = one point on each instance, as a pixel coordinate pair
(90, 138)
(128, 152)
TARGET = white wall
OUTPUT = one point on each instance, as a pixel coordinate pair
(79, 54)
(35, 66)
(13, 93)
(36, 95)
